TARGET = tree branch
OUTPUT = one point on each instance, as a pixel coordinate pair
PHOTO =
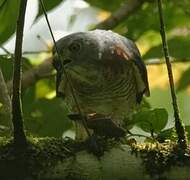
(17, 119)
(128, 8)
(46, 159)
(180, 130)
(31, 76)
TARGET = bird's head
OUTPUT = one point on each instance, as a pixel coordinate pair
(94, 57)
(80, 56)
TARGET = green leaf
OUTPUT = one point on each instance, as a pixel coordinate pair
(8, 16)
(177, 47)
(45, 87)
(184, 81)
(137, 25)
(6, 65)
(44, 117)
(49, 4)
(151, 120)
(146, 19)
(185, 4)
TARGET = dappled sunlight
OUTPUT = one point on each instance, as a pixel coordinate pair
(158, 76)
(147, 41)
(50, 95)
(102, 15)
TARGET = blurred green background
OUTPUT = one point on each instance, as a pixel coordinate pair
(45, 115)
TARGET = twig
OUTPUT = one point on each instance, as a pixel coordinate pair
(17, 119)
(5, 98)
(33, 75)
(129, 7)
(6, 51)
(180, 130)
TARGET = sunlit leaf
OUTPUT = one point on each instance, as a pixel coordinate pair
(8, 17)
(151, 120)
(44, 87)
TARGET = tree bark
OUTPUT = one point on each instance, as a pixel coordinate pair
(117, 163)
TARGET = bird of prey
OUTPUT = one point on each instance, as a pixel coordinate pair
(107, 75)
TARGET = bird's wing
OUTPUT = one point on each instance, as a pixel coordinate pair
(132, 53)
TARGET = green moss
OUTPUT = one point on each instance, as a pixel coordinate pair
(43, 154)
(159, 158)
(40, 155)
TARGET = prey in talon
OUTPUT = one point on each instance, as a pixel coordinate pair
(108, 79)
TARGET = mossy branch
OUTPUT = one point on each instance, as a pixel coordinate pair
(47, 158)
(180, 130)
(17, 119)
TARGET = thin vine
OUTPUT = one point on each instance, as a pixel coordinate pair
(180, 130)
(17, 117)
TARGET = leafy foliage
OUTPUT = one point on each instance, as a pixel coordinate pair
(6, 67)
(8, 17)
(47, 116)
(6, 64)
(43, 116)
(9, 12)
(146, 19)
(152, 121)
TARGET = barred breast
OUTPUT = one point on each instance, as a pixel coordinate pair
(113, 95)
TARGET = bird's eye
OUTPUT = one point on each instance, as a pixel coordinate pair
(75, 47)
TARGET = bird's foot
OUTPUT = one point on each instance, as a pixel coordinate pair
(93, 146)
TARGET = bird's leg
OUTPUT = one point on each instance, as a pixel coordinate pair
(82, 135)
(93, 145)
